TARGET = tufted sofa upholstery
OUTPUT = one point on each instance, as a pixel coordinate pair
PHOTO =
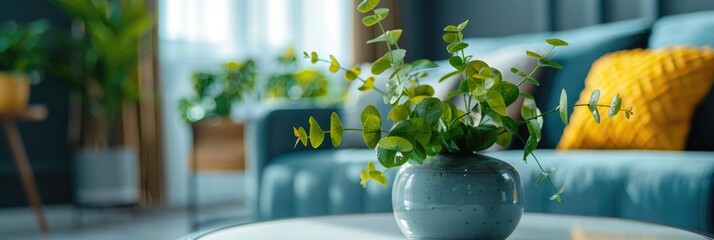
(673, 188)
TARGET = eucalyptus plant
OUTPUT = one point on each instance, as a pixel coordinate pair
(424, 125)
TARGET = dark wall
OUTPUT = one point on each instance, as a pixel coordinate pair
(46, 142)
(424, 20)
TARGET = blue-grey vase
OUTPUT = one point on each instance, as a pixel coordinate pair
(458, 196)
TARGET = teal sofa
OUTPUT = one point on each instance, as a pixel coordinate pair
(672, 188)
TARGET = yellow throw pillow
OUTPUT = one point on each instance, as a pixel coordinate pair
(663, 86)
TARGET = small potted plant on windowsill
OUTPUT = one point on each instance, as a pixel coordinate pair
(442, 183)
(20, 59)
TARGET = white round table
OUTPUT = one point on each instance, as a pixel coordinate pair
(382, 226)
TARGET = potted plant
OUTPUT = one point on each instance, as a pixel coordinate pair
(444, 189)
(218, 141)
(20, 59)
(104, 83)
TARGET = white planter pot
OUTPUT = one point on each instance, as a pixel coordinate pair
(106, 177)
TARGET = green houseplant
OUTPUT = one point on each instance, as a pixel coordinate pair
(218, 140)
(20, 61)
(105, 81)
(434, 142)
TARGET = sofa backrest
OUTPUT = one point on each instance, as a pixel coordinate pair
(695, 29)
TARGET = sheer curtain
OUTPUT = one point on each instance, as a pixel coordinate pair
(202, 34)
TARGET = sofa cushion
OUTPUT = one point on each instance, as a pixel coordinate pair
(663, 86)
(693, 29)
(672, 188)
(321, 182)
(666, 187)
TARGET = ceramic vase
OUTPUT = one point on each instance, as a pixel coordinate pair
(458, 196)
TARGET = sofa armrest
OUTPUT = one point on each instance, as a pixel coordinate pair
(269, 134)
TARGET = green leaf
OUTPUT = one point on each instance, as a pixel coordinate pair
(335, 130)
(334, 65)
(518, 72)
(380, 65)
(596, 115)
(495, 101)
(379, 15)
(313, 57)
(509, 91)
(457, 62)
(305, 54)
(316, 133)
(563, 106)
(480, 137)
(303, 136)
(372, 174)
(386, 157)
(541, 177)
(463, 24)
(454, 94)
(509, 124)
(367, 85)
(556, 42)
(423, 90)
(450, 37)
(531, 145)
(448, 75)
(594, 98)
(422, 65)
(399, 113)
(504, 138)
(556, 196)
(353, 73)
(391, 37)
(398, 144)
(418, 154)
(429, 109)
(549, 63)
(369, 110)
(534, 55)
(449, 111)
(456, 46)
(534, 129)
(367, 5)
(615, 106)
(475, 66)
(415, 128)
(393, 57)
(451, 28)
(533, 81)
(372, 131)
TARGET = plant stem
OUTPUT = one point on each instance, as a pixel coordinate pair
(358, 78)
(391, 55)
(555, 189)
(535, 68)
(457, 118)
(557, 109)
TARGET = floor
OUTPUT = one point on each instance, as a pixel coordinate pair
(100, 224)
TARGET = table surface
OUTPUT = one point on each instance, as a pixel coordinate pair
(382, 226)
